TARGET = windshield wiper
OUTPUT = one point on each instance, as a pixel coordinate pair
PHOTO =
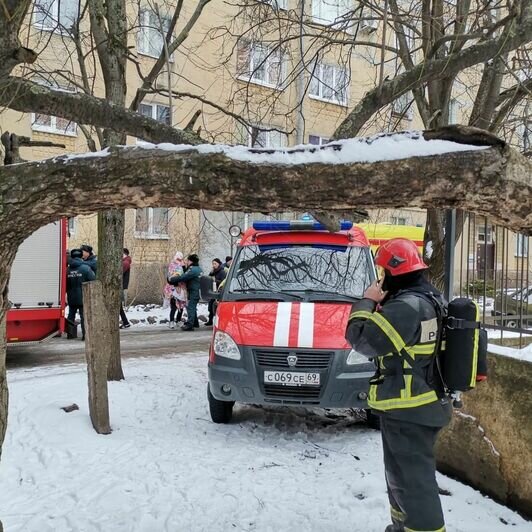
(324, 294)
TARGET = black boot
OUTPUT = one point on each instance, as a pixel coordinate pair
(395, 527)
(187, 327)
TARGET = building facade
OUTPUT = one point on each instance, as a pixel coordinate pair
(257, 78)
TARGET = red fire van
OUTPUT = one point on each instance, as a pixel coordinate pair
(279, 330)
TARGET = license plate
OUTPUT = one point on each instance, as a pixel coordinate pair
(292, 378)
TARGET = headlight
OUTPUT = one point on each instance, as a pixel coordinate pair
(355, 357)
(225, 346)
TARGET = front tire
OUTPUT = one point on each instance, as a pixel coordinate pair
(221, 411)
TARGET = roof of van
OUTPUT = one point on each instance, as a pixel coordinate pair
(352, 237)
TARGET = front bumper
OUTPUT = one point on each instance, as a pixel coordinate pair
(341, 386)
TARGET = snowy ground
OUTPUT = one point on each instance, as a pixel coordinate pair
(142, 315)
(167, 467)
(156, 314)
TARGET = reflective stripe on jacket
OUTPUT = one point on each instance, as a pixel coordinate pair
(401, 339)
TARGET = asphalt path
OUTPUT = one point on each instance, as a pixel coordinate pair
(135, 342)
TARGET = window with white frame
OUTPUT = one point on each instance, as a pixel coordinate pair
(454, 107)
(260, 63)
(317, 140)
(483, 236)
(150, 39)
(398, 220)
(54, 124)
(329, 82)
(524, 134)
(55, 14)
(407, 31)
(277, 4)
(521, 245)
(151, 222)
(403, 106)
(330, 11)
(71, 226)
(157, 111)
(265, 137)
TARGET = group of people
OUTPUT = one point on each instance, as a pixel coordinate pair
(82, 265)
(182, 290)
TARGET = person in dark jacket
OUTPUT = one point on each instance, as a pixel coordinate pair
(192, 278)
(218, 273)
(78, 273)
(89, 257)
(396, 325)
(126, 270)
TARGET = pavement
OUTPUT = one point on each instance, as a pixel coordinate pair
(134, 342)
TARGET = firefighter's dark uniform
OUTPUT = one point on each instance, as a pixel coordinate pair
(401, 338)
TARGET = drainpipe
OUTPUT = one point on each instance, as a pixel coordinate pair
(300, 81)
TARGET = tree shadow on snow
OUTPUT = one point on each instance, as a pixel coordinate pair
(295, 419)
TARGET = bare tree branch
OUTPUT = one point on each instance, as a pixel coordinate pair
(27, 97)
(434, 69)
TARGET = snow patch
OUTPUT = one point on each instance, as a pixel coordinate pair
(382, 147)
(429, 250)
(521, 354)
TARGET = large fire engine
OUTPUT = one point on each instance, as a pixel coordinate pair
(378, 234)
(279, 330)
(37, 286)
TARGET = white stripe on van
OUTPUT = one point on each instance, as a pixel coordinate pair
(305, 336)
(282, 324)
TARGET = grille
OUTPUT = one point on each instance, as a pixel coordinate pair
(292, 392)
(278, 359)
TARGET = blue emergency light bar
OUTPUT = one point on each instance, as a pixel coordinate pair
(296, 225)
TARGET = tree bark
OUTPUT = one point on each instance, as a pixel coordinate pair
(7, 256)
(110, 245)
(97, 355)
(29, 97)
(111, 45)
(494, 181)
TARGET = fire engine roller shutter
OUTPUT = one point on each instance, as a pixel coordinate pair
(35, 275)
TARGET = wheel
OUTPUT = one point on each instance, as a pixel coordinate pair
(512, 323)
(373, 420)
(221, 411)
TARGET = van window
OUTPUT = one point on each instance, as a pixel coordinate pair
(334, 270)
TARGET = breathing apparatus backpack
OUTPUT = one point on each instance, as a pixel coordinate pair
(461, 347)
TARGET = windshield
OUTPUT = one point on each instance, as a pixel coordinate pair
(305, 271)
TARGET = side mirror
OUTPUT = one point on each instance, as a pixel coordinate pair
(206, 290)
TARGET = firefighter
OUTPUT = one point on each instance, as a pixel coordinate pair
(78, 273)
(396, 325)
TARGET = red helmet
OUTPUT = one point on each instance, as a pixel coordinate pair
(399, 256)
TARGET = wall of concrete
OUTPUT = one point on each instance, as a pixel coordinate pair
(489, 441)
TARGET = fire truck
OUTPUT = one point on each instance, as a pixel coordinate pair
(378, 234)
(37, 286)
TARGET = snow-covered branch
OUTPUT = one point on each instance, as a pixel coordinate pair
(479, 173)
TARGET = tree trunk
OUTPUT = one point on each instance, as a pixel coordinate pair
(110, 246)
(435, 241)
(97, 354)
(111, 45)
(6, 260)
